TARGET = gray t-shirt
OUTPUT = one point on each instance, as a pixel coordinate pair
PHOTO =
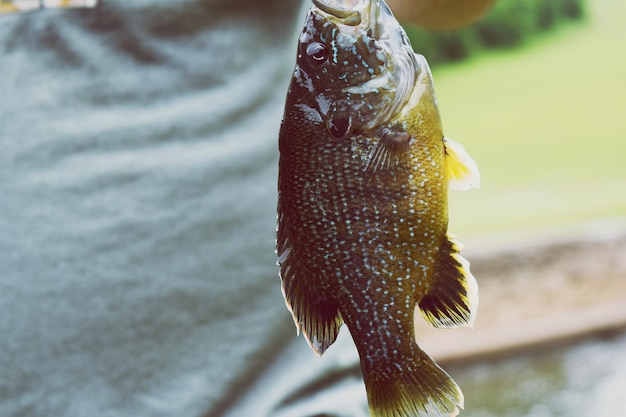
(138, 165)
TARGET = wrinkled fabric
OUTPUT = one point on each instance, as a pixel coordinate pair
(137, 215)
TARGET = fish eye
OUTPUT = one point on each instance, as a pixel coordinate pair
(317, 54)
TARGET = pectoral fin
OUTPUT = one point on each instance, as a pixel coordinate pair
(386, 151)
(461, 169)
(453, 297)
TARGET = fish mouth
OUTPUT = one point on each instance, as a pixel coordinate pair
(348, 12)
(351, 13)
(373, 17)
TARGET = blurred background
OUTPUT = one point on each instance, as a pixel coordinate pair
(534, 91)
(137, 212)
(538, 101)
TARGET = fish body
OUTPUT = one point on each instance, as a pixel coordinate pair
(364, 174)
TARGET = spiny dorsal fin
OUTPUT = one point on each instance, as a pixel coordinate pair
(385, 152)
(461, 169)
(453, 298)
(319, 320)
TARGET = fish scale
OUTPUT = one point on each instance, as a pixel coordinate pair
(362, 210)
(341, 213)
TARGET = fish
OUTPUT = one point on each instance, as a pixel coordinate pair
(362, 215)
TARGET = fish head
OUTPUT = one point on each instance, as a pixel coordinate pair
(355, 68)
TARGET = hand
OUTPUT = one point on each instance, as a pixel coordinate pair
(439, 14)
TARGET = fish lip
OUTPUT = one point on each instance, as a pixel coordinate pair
(345, 16)
(352, 14)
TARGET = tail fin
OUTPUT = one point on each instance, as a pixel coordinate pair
(418, 388)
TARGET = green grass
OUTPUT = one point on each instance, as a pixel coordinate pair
(546, 124)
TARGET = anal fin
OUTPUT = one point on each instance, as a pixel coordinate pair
(453, 298)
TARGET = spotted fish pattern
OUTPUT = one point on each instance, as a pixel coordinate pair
(362, 236)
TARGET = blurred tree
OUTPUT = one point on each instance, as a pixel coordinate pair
(507, 23)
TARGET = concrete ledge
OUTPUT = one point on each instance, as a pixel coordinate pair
(467, 344)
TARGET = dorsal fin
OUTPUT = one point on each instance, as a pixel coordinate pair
(318, 319)
(453, 298)
(461, 169)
